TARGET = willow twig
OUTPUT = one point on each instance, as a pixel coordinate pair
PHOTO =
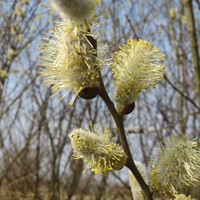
(120, 127)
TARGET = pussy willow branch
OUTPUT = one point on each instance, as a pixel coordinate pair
(120, 127)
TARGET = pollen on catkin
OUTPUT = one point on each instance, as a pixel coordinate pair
(182, 197)
(176, 166)
(68, 59)
(74, 10)
(136, 66)
(99, 150)
(136, 190)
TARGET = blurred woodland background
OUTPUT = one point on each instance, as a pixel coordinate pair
(35, 152)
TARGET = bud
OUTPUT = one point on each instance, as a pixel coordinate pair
(99, 150)
(18, 10)
(125, 110)
(11, 53)
(89, 93)
(172, 13)
(3, 73)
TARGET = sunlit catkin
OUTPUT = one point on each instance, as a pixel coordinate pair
(176, 165)
(99, 150)
(68, 59)
(136, 66)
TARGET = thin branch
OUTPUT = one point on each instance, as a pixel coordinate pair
(182, 94)
(132, 28)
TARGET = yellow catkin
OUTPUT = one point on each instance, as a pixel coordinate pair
(99, 150)
(136, 66)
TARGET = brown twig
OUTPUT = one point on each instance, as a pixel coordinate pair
(191, 29)
(120, 127)
(118, 118)
(182, 94)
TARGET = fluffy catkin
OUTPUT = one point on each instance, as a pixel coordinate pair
(176, 166)
(74, 10)
(99, 150)
(136, 66)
